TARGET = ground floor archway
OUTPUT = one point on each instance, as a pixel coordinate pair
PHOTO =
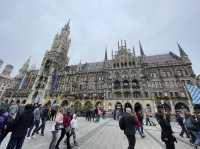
(181, 107)
(128, 105)
(137, 107)
(77, 106)
(64, 103)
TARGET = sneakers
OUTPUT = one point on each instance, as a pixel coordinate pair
(75, 144)
(29, 138)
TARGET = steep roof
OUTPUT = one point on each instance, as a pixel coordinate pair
(170, 57)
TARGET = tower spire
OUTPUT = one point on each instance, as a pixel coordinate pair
(182, 52)
(106, 55)
(141, 49)
(133, 50)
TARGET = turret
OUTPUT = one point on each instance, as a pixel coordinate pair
(1, 63)
(24, 69)
(7, 71)
(141, 49)
(182, 52)
(106, 55)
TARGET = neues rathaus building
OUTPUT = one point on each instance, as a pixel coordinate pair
(125, 79)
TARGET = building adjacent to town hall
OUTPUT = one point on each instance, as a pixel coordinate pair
(125, 79)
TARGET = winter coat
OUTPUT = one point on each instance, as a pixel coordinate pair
(37, 114)
(74, 123)
(13, 110)
(59, 118)
(179, 119)
(44, 112)
(166, 130)
(188, 123)
(137, 123)
(4, 119)
(22, 123)
(66, 121)
(127, 124)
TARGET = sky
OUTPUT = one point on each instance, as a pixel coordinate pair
(27, 28)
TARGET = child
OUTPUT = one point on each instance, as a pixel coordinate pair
(74, 129)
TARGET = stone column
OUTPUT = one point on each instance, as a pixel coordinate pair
(154, 106)
(172, 106)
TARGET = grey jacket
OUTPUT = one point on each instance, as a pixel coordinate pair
(37, 114)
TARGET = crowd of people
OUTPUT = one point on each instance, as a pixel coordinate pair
(190, 126)
(95, 114)
(24, 120)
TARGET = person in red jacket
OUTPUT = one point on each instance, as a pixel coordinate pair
(138, 125)
(65, 130)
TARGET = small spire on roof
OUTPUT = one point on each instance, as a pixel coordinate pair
(182, 52)
(141, 49)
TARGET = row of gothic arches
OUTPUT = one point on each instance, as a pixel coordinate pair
(136, 107)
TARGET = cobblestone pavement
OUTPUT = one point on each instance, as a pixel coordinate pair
(106, 135)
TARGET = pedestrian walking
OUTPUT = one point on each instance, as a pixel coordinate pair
(74, 129)
(65, 131)
(5, 118)
(179, 119)
(44, 112)
(36, 122)
(20, 126)
(166, 130)
(58, 125)
(138, 125)
(127, 124)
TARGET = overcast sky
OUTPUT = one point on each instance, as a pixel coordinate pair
(27, 28)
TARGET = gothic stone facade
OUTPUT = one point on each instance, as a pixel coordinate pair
(130, 80)
(123, 80)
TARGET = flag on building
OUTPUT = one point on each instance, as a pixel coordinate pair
(194, 92)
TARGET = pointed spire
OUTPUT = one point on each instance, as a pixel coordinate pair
(118, 45)
(67, 26)
(141, 49)
(133, 50)
(112, 54)
(106, 55)
(125, 43)
(182, 52)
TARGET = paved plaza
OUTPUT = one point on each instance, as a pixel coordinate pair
(105, 135)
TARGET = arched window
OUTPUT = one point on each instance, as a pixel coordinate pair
(117, 84)
(135, 84)
(126, 84)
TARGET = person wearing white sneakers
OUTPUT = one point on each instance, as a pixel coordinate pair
(74, 129)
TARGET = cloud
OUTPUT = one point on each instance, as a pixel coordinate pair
(28, 27)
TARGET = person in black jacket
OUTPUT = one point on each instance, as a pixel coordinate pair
(127, 124)
(166, 130)
(20, 126)
(44, 118)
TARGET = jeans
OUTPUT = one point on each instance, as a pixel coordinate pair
(15, 143)
(131, 141)
(54, 139)
(36, 124)
(63, 133)
(140, 132)
(42, 126)
(73, 133)
(170, 144)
